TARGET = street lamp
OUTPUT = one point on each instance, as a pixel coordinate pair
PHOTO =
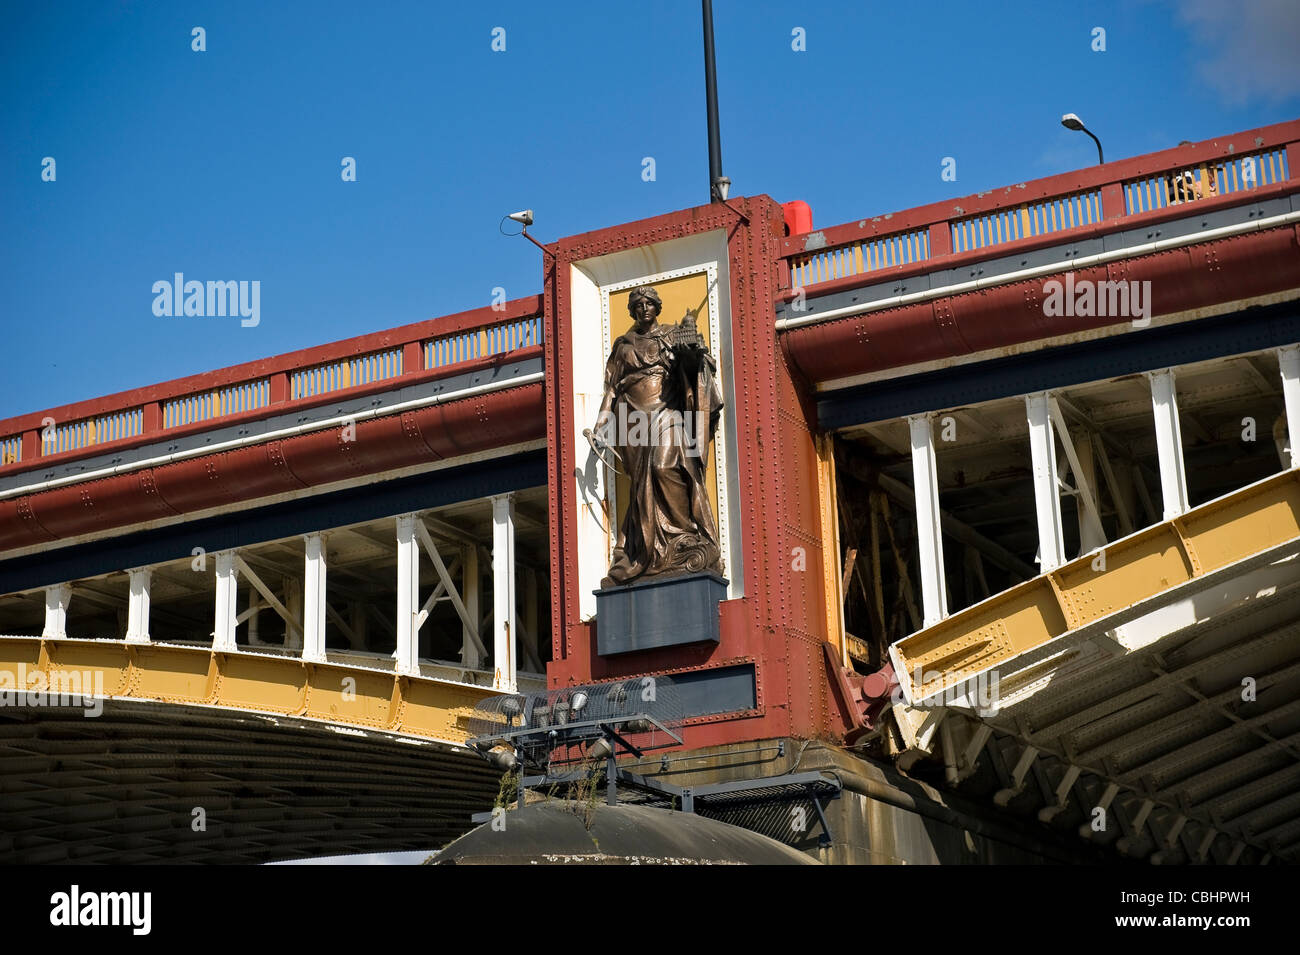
(525, 218)
(1071, 121)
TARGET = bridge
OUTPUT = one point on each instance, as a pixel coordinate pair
(1007, 496)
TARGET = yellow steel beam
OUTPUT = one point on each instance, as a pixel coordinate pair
(334, 692)
(1243, 524)
(829, 529)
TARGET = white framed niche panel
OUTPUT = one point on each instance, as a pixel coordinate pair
(591, 283)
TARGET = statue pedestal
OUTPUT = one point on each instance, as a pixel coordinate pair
(658, 613)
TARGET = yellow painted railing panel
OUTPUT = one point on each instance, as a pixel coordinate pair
(1223, 532)
(21, 657)
(172, 674)
(441, 712)
(1137, 567)
(418, 706)
(1007, 624)
(261, 683)
(63, 660)
(1240, 525)
(365, 700)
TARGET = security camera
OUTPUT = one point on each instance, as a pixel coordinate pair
(524, 218)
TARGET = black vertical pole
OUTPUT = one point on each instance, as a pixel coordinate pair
(711, 98)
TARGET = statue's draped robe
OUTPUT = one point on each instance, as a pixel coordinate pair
(668, 527)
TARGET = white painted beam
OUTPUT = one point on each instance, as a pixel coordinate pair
(1092, 535)
(1169, 443)
(291, 614)
(57, 599)
(408, 595)
(1047, 498)
(503, 592)
(137, 613)
(1288, 360)
(223, 633)
(925, 481)
(446, 583)
(438, 595)
(1050, 812)
(1004, 796)
(314, 610)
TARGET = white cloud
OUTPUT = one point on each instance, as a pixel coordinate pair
(1251, 48)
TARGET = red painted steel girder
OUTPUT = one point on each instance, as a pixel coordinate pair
(243, 475)
(1195, 276)
(276, 373)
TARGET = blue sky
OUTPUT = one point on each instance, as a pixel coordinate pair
(225, 164)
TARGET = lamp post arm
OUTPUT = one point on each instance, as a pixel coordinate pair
(1100, 158)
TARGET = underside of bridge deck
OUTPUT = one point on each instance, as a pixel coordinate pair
(159, 783)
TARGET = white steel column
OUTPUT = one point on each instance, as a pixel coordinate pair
(137, 614)
(1047, 497)
(469, 655)
(503, 591)
(408, 595)
(1288, 359)
(1169, 443)
(223, 633)
(57, 599)
(1087, 503)
(925, 478)
(313, 608)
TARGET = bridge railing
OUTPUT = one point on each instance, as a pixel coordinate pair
(367, 363)
(1223, 171)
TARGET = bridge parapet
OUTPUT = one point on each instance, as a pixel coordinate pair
(380, 361)
(1246, 166)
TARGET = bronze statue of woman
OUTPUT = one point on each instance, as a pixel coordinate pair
(659, 414)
